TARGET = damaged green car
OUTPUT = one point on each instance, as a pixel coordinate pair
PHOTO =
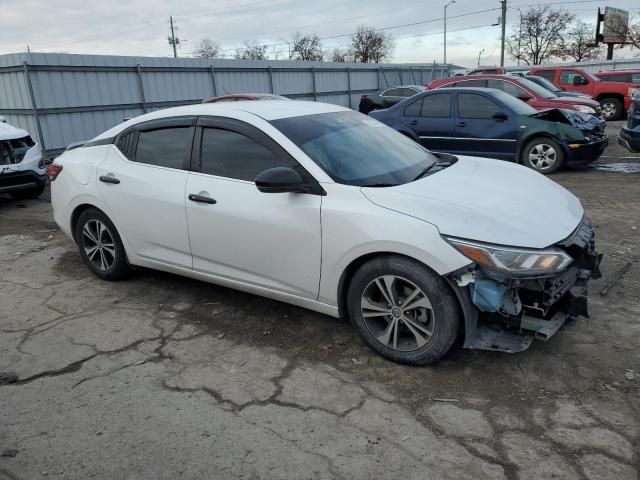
(486, 122)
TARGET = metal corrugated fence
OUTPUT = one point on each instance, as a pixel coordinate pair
(61, 98)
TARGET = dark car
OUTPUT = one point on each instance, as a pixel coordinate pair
(387, 97)
(629, 135)
(236, 97)
(486, 122)
(544, 83)
(523, 89)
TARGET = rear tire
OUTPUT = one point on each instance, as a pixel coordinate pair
(612, 108)
(543, 155)
(27, 193)
(402, 310)
(100, 245)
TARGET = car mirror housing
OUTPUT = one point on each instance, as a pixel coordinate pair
(280, 180)
(500, 116)
(525, 97)
(579, 81)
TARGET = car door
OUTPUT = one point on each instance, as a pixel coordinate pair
(430, 119)
(142, 181)
(269, 240)
(479, 131)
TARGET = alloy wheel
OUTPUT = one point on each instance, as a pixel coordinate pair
(543, 156)
(608, 110)
(98, 244)
(398, 313)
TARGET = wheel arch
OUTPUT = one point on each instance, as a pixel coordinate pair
(531, 136)
(617, 96)
(468, 321)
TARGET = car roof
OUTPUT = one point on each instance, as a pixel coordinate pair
(272, 110)
(9, 132)
(617, 72)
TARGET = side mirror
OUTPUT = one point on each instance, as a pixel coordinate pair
(525, 97)
(280, 180)
(500, 116)
(578, 80)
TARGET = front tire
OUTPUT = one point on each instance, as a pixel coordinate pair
(100, 245)
(543, 155)
(402, 310)
(27, 193)
(612, 108)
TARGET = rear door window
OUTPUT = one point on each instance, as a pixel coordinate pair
(164, 147)
(436, 106)
(471, 83)
(413, 110)
(507, 87)
(392, 92)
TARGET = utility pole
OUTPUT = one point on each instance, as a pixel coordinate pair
(519, 36)
(445, 29)
(479, 55)
(173, 41)
(504, 29)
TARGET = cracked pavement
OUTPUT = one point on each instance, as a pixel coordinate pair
(161, 377)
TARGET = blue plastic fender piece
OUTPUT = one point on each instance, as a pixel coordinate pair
(487, 295)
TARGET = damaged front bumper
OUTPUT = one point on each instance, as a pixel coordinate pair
(506, 313)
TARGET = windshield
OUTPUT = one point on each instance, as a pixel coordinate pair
(540, 91)
(543, 82)
(517, 106)
(354, 149)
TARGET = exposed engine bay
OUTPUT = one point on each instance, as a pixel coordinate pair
(512, 310)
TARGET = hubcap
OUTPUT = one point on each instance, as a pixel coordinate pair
(608, 110)
(98, 244)
(398, 313)
(542, 156)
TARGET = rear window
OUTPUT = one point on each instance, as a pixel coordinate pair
(548, 74)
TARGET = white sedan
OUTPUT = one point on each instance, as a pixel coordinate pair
(322, 207)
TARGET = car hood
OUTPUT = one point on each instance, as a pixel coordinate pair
(489, 201)
(577, 101)
(9, 132)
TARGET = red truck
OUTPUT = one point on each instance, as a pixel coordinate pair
(615, 97)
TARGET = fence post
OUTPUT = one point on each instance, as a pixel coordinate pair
(349, 86)
(271, 79)
(313, 79)
(413, 77)
(34, 107)
(213, 81)
(386, 82)
(378, 78)
(143, 101)
(399, 72)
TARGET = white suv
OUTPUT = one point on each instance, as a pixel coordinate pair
(22, 170)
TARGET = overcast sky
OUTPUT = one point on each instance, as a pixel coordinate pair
(140, 27)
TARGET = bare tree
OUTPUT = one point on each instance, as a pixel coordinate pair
(306, 47)
(207, 48)
(340, 56)
(252, 50)
(370, 46)
(539, 35)
(579, 43)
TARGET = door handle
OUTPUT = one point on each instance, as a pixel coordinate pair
(413, 122)
(461, 124)
(109, 179)
(201, 199)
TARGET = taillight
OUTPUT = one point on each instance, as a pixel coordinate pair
(54, 171)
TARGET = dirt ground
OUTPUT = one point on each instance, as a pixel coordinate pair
(162, 377)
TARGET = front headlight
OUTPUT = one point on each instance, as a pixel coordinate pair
(585, 109)
(516, 260)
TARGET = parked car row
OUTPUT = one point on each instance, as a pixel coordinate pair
(487, 122)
